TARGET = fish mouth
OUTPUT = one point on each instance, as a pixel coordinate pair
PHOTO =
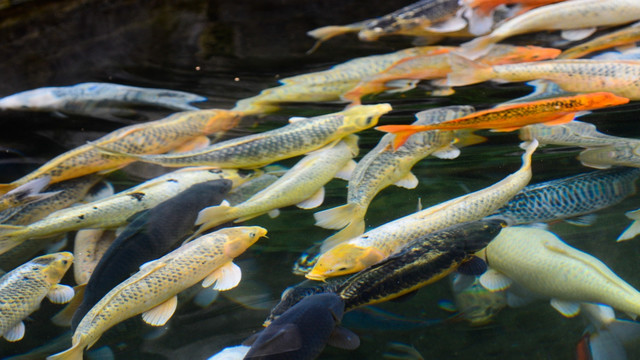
(316, 277)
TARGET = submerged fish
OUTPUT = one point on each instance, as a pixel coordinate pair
(302, 185)
(541, 263)
(632, 230)
(474, 303)
(625, 36)
(26, 193)
(574, 133)
(585, 15)
(84, 98)
(615, 76)
(303, 331)
(301, 136)
(377, 244)
(151, 137)
(480, 13)
(382, 167)
(606, 336)
(620, 153)
(116, 210)
(569, 197)
(512, 117)
(22, 290)
(152, 291)
(148, 236)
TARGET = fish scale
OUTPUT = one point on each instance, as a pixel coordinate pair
(159, 281)
(296, 138)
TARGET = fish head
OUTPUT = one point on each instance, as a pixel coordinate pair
(480, 233)
(508, 54)
(344, 259)
(53, 266)
(241, 238)
(603, 99)
(363, 117)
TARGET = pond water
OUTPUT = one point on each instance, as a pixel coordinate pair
(231, 50)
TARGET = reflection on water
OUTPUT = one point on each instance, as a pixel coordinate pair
(228, 50)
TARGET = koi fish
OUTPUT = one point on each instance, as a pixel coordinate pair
(152, 290)
(301, 136)
(473, 302)
(377, 244)
(382, 167)
(615, 76)
(632, 230)
(574, 133)
(605, 337)
(620, 153)
(512, 117)
(544, 265)
(302, 185)
(85, 98)
(116, 210)
(151, 137)
(592, 13)
(569, 197)
(625, 36)
(22, 290)
(26, 193)
(436, 65)
(480, 13)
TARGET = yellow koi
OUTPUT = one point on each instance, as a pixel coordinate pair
(152, 291)
(115, 210)
(22, 290)
(152, 137)
(302, 185)
(377, 244)
(301, 136)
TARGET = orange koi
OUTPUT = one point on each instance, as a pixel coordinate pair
(436, 64)
(553, 111)
(148, 138)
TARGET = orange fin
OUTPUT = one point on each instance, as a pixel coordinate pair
(196, 143)
(401, 132)
(561, 120)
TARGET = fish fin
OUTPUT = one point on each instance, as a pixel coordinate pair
(32, 187)
(506, 129)
(409, 181)
(466, 138)
(474, 266)
(493, 280)
(73, 353)
(627, 331)
(447, 305)
(343, 338)
(442, 90)
(213, 215)
(347, 171)
(337, 217)
(479, 46)
(206, 297)
(584, 220)
(277, 339)
(566, 308)
(479, 24)
(603, 345)
(160, 314)
(64, 316)
(577, 34)
(400, 85)
(7, 244)
(231, 353)
(196, 143)
(354, 229)
(14, 334)
(515, 300)
(60, 294)
(450, 25)
(295, 119)
(633, 229)
(466, 72)
(462, 281)
(448, 152)
(327, 32)
(313, 201)
(272, 213)
(224, 278)
(419, 205)
(401, 132)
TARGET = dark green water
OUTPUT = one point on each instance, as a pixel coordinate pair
(164, 50)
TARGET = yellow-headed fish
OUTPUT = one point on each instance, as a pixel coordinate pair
(152, 291)
(620, 153)
(115, 210)
(22, 290)
(577, 17)
(382, 166)
(373, 246)
(152, 137)
(302, 185)
(301, 136)
(616, 76)
(625, 36)
(540, 262)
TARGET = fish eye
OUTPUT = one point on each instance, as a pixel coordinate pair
(368, 120)
(65, 262)
(342, 269)
(252, 234)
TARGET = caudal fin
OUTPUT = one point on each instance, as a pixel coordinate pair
(467, 72)
(336, 218)
(634, 229)
(327, 32)
(354, 229)
(73, 353)
(214, 216)
(401, 132)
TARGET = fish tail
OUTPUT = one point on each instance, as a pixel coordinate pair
(327, 32)
(252, 106)
(338, 217)
(610, 340)
(73, 353)
(401, 132)
(214, 216)
(479, 46)
(530, 147)
(634, 229)
(466, 72)
(354, 229)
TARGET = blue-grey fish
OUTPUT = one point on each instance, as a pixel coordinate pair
(569, 197)
(303, 331)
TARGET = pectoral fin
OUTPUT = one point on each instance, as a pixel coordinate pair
(493, 280)
(409, 181)
(577, 34)
(346, 172)
(453, 24)
(314, 201)
(566, 308)
(159, 315)
(449, 152)
(16, 333)
(343, 338)
(225, 277)
(584, 220)
(60, 294)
